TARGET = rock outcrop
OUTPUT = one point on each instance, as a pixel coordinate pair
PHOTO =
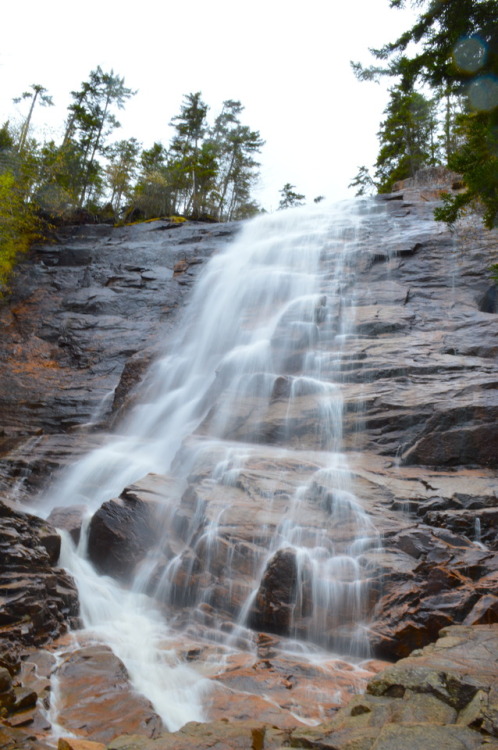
(445, 695)
(419, 383)
(38, 602)
(38, 599)
(84, 319)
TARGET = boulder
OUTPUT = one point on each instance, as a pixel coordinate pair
(275, 599)
(120, 534)
(70, 519)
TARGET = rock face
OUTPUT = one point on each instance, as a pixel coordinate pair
(38, 600)
(84, 319)
(418, 377)
(445, 695)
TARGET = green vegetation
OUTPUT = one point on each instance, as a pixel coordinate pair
(19, 224)
(451, 51)
(290, 198)
(206, 171)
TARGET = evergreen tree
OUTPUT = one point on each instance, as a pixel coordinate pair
(364, 182)
(37, 94)
(456, 52)
(407, 138)
(18, 221)
(153, 195)
(289, 198)
(121, 170)
(236, 145)
(6, 147)
(191, 127)
(91, 121)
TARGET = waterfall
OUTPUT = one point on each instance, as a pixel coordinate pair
(246, 403)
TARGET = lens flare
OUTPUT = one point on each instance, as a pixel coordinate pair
(483, 93)
(469, 54)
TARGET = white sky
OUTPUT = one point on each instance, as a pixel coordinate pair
(287, 62)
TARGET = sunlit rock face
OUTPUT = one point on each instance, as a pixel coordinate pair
(310, 471)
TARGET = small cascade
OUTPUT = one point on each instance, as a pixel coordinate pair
(245, 412)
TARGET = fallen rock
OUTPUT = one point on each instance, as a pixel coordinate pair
(120, 534)
(68, 518)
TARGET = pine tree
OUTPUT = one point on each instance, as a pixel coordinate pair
(153, 194)
(191, 127)
(456, 53)
(37, 94)
(407, 138)
(289, 198)
(364, 182)
(236, 145)
(121, 170)
(91, 121)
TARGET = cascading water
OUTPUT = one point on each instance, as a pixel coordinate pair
(248, 400)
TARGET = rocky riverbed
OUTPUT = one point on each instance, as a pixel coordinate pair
(419, 380)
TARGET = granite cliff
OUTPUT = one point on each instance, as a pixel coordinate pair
(86, 317)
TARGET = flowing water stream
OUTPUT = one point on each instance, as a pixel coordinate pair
(250, 391)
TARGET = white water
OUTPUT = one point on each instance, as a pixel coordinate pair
(277, 301)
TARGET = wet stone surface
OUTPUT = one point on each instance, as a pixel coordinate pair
(418, 382)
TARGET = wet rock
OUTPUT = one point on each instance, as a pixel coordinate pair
(412, 347)
(481, 523)
(442, 589)
(453, 669)
(243, 735)
(484, 611)
(120, 534)
(276, 595)
(97, 701)
(70, 743)
(38, 600)
(489, 301)
(78, 310)
(453, 438)
(133, 372)
(68, 518)
(12, 738)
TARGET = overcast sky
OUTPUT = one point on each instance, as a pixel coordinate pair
(287, 62)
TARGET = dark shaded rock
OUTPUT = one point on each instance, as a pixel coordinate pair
(120, 534)
(489, 301)
(16, 739)
(272, 609)
(465, 444)
(443, 588)
(481, 525)
(484, 612)
(133, 372)
(38, 600)
(5, 680)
